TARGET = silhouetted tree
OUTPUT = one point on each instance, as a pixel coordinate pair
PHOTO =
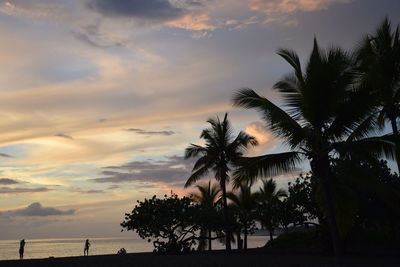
(378, 60)
(268, 198)
(243, 203)
(220, 153)
(324, 116)
(208, 197)
(302, 196)
(172, 222)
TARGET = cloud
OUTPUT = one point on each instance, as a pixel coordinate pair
(36, 209)
(4, 155)
(288, 6)
(264, 137)
(114, 186)
(182, 14)
(194, 22)
(144, 132)
(93, 35)
(92, 40)
(21, 190)
(39, 9)
(7, 181)
(277, 10)
(156, 10)
(64, 136)
(91, 191)
(173, 170)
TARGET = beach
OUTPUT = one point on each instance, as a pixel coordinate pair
(252, 257)
(73, 247)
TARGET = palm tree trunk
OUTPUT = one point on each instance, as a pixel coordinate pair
(239, 240)
(396, 134)
(209, 240)
(245, 239)
(226, 216)
(321, 170)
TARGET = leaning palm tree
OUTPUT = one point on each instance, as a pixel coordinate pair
(268, 198)
(207, 196)
(378, 60)
(244, 202)
(323, 115)
(220, 154)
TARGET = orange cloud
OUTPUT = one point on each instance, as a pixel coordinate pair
(288, 6)
(193, 22)
(264, 138)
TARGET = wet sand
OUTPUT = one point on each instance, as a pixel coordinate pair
(253, 257)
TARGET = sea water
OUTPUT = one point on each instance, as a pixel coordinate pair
(69, 247)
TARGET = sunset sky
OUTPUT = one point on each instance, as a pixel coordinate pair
(99, 98)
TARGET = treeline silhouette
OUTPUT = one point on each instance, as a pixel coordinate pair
(336, 111)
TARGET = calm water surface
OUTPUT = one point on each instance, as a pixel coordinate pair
(44, 248)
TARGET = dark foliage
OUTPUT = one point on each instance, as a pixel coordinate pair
(171, 222)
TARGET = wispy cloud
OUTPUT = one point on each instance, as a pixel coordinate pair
(90, 191)
(36, 209)
(157, 10)
(270, 7)
(145, 132)
(93, 39)
(4, 155)
(64, 136)
(173, 170)
(277, 10)
(7, 181)
(22, 190)
(32, 8)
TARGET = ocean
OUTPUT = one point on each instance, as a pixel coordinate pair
(67, 247)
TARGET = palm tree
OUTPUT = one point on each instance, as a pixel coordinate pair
(207, 196)
(323, 116)
(245, 203)
(268, 199)
(378, 60)
(220, 153)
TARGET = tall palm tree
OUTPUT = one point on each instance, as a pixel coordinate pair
(323, 116)
(267, 198)
(244, 202)
(207, 196)
(378, 60)
(220, 153)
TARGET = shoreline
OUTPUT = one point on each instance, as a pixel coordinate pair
(251, 257)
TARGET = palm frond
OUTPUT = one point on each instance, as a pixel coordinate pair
(194, 150)
(240, 144)
(197, 175)
(204, 161)
(280, 123)
(250, 168)
(293, 59)
(368, 148)
(356, 116)
(365, 128)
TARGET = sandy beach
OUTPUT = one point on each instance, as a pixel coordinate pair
(253, 257)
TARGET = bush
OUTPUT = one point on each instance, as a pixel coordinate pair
(295, 240)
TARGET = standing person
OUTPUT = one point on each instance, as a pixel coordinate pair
(86, 249)
(21, 249)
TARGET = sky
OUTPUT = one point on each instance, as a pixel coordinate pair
(99, 98)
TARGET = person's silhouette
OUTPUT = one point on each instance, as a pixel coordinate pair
(86, 249)
(21, 249)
